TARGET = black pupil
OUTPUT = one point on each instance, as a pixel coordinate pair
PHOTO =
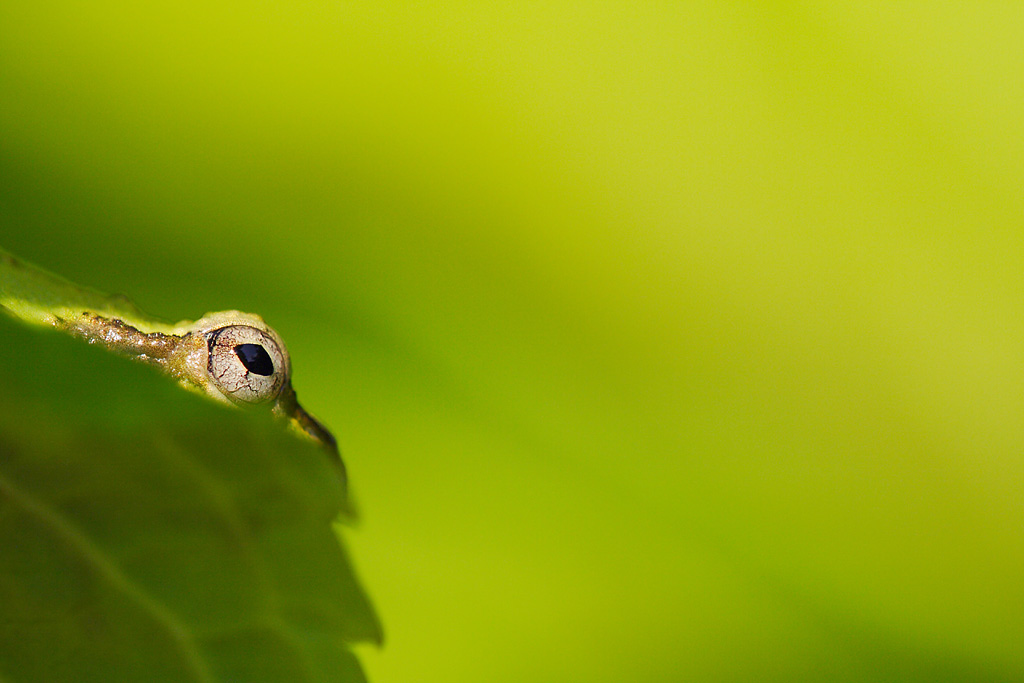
(255, 359)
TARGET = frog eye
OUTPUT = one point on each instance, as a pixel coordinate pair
(246, 364)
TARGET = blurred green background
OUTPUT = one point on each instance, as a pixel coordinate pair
(669, 342)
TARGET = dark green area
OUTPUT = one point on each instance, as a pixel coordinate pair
(148, 534)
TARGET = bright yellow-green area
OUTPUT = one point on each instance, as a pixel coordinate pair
(672, 342)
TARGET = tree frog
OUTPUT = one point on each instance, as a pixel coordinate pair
(230, 356)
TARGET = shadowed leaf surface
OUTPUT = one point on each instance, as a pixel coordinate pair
(151, 535)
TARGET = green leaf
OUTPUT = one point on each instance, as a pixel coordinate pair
(149, 534)
(36, 296)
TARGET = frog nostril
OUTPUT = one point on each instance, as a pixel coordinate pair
(255, 359)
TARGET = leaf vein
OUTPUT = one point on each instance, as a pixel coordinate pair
(93, 555)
